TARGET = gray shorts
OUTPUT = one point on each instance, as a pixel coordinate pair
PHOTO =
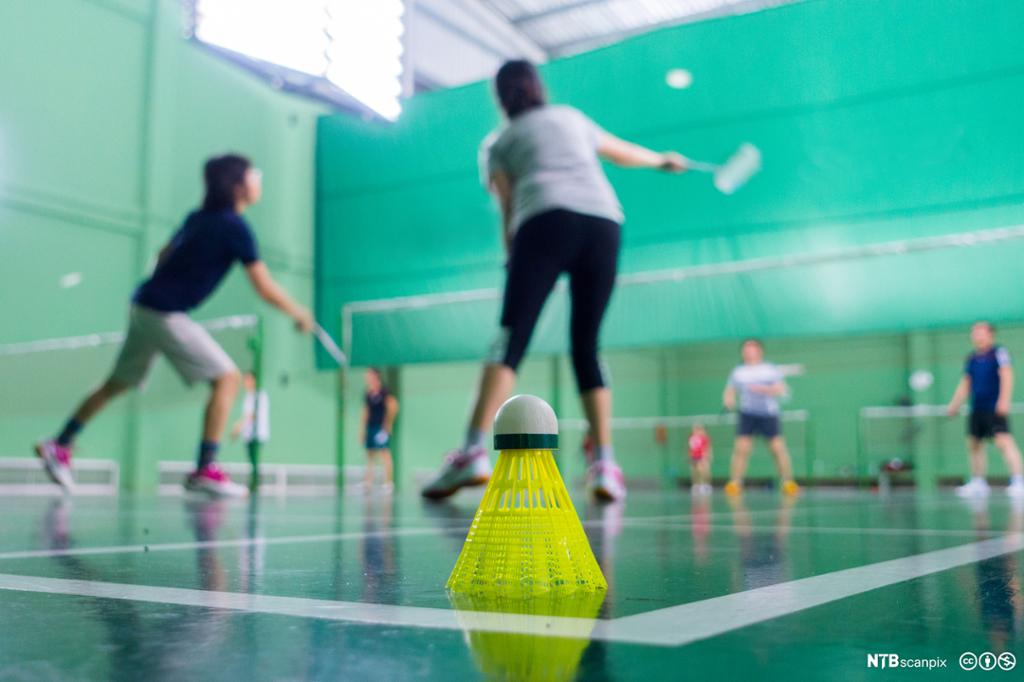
(185, 344)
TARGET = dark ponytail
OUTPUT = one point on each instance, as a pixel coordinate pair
(223, 175)
(519, 87)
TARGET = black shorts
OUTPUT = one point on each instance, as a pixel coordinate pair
(545, 246)
(982, 425)
(377, 439)
(758, 425)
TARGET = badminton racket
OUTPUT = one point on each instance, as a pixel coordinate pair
(329, 345)
(735, 172)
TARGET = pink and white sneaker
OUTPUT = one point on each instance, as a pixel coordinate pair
(461, 468)
(57, 462)
(212, 481)
(605, 481)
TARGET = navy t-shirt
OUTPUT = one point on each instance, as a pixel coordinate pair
(199, 256)
(983, 369)
(376, 408)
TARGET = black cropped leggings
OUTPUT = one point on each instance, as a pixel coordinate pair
(585, 247)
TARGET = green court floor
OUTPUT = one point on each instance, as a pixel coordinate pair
(352, 588)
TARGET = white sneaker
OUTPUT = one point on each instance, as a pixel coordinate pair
(57, 462)
(973, 488)
(1016, 490)
(605, 481)
(461, 469)
(705, 488)
(212, 481)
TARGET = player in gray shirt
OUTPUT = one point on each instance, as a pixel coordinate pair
(559, 214)
(758, 385)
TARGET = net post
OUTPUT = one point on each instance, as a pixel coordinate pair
(255, 344)
(393, 380)
(668, 475)
(809, 448)
(340, 384)
(860, 446)
(925, 448)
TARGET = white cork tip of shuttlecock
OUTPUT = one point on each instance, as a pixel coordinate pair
(525, 422)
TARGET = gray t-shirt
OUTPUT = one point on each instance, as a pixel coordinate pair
(746, 376)
(550, 155)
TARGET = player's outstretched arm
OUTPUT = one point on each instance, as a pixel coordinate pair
(959, 395)
(629, 155)
(729, 398)
(271, 292)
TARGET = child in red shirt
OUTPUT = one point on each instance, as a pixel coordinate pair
(699, 445)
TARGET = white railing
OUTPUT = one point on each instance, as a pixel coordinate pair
(275, 479)
(25, 476)
(109, 338)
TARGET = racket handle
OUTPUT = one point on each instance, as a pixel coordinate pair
(701, 166)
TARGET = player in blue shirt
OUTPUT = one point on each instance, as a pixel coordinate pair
(189, 269)
(988, 380)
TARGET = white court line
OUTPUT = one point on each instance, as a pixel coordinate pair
(654, 522)
(353, 612)
(673, 626)
(836, 530)
(239, 542)
(678, 625)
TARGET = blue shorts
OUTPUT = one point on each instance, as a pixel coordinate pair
(377, 439)
(758, 425)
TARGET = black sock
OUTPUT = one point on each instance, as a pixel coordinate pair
(71, 429)
(207, 453)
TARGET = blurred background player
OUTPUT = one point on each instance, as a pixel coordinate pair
(254, 424)
(559, 214)
(699, 445)
(189, 269)
(759, 385)
(379, 412)
(988, 380)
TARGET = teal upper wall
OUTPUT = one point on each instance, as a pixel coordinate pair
(877, 121)
(106, 116)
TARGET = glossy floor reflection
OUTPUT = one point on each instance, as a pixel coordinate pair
(353, 588)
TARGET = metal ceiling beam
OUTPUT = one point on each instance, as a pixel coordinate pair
(554, 11)
(585, 43)
(487, 13)
(455, 29)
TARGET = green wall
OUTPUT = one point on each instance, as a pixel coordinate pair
(107, 115)
(877, 121)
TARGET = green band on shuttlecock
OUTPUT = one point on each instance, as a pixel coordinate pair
(526, 441)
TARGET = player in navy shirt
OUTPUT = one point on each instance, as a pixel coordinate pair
(380, 408)
(188, 271)
(197, 258)
(988, 380)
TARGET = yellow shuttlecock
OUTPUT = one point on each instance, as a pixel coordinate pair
(546, 647)
(526, 538)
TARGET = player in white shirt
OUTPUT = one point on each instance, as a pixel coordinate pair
(757, 386)
(254, 424)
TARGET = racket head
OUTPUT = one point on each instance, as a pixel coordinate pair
(740, 167)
